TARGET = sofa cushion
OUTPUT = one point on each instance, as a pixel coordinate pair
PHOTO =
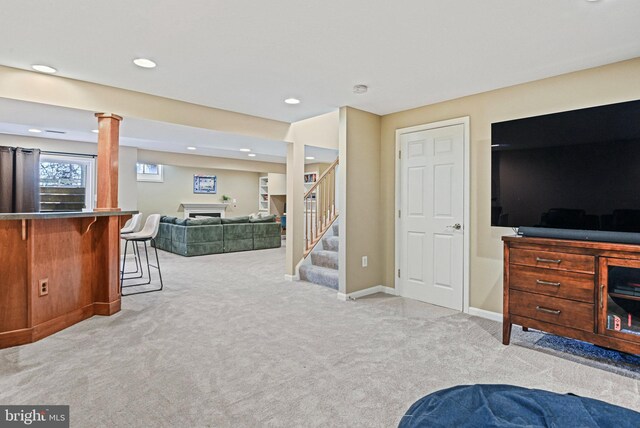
(168, 219)
(235, 220)
(266, 242)
(262, 230)
(197, 249)
(203, 221)
(265, 219)
(238, 231)
(231, 245)
(197, 234)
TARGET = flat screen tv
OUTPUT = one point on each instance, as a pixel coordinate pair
(574, 170)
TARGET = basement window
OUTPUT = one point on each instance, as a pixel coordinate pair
(150, 172)
(67, 182)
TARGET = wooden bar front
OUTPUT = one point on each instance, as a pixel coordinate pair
(56, 269)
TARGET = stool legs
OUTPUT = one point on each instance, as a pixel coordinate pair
(149, 266)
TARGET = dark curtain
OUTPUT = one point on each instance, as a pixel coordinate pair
(19, 180)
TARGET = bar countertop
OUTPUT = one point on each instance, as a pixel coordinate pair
(53, 214)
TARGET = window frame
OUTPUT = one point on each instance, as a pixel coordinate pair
(90, 184)
(152, 178)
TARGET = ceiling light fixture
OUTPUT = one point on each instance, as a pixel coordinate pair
(34, 130)
(252, 155)
(43, 68)
(309, 158)
(191, 148)
(360, 89)
(292, 101)
(144, 63)
(245, 150)
(95, 131)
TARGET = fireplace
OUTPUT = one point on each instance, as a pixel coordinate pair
(199, 209)
(193, 215)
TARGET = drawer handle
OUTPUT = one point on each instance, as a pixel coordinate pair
(556, 261)
(541, 282)
(548, 311)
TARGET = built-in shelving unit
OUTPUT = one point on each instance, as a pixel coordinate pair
(263, 194)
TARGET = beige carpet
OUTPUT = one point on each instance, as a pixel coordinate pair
(230, 343)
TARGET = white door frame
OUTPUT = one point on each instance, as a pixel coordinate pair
(467, 200)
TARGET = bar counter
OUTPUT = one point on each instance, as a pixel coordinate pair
(57, 269)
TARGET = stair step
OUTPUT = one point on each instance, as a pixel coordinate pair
(332, 243)
(323, 258)
(336, 229)
(319, 275)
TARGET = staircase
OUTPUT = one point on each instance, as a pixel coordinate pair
(323, 268)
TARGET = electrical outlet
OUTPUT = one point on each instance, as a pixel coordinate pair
(43, 287)
(365, 261)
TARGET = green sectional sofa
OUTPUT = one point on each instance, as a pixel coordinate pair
(196, 237)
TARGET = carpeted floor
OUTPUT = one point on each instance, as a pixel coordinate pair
(230, 343)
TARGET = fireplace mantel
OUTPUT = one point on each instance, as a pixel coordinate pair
(200, 208)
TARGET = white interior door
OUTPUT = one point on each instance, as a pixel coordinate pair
(431, 249)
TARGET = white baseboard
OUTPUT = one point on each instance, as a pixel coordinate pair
(367, 292)
(291, 278)
(493, 316)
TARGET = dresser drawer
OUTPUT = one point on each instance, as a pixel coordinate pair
(553, 260)
(553, 310)
(567, 285)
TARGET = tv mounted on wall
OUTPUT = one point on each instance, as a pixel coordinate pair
(576, 171)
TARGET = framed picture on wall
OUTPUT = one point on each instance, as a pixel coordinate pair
(205, 184)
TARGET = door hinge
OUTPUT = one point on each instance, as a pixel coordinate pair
(399, 213)
(399, 154)
(398, 273)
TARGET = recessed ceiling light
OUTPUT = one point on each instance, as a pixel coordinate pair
(309, 158)
(144, 63)
(43, 68)
(95, 131)
(360, 89)
(245, 150)
(34, 130)
(191, 148)
(251, 155)
(292, 101)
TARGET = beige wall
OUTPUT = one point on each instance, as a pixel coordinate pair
(127, 193)
(181, 159)
(60, 91)
(295, 207)
(165, 198)
(360, 216)
(603, 85)
(318, 131)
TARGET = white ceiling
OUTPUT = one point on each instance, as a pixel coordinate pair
(248, 55)
(17, 117)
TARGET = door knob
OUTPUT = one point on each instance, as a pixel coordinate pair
(456, 226)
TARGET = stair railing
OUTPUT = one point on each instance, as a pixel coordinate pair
(320, 209)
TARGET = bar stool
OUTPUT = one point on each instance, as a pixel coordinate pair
(147, 234)
(132, 226)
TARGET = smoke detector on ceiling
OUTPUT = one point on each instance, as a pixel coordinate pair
(360, 89)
